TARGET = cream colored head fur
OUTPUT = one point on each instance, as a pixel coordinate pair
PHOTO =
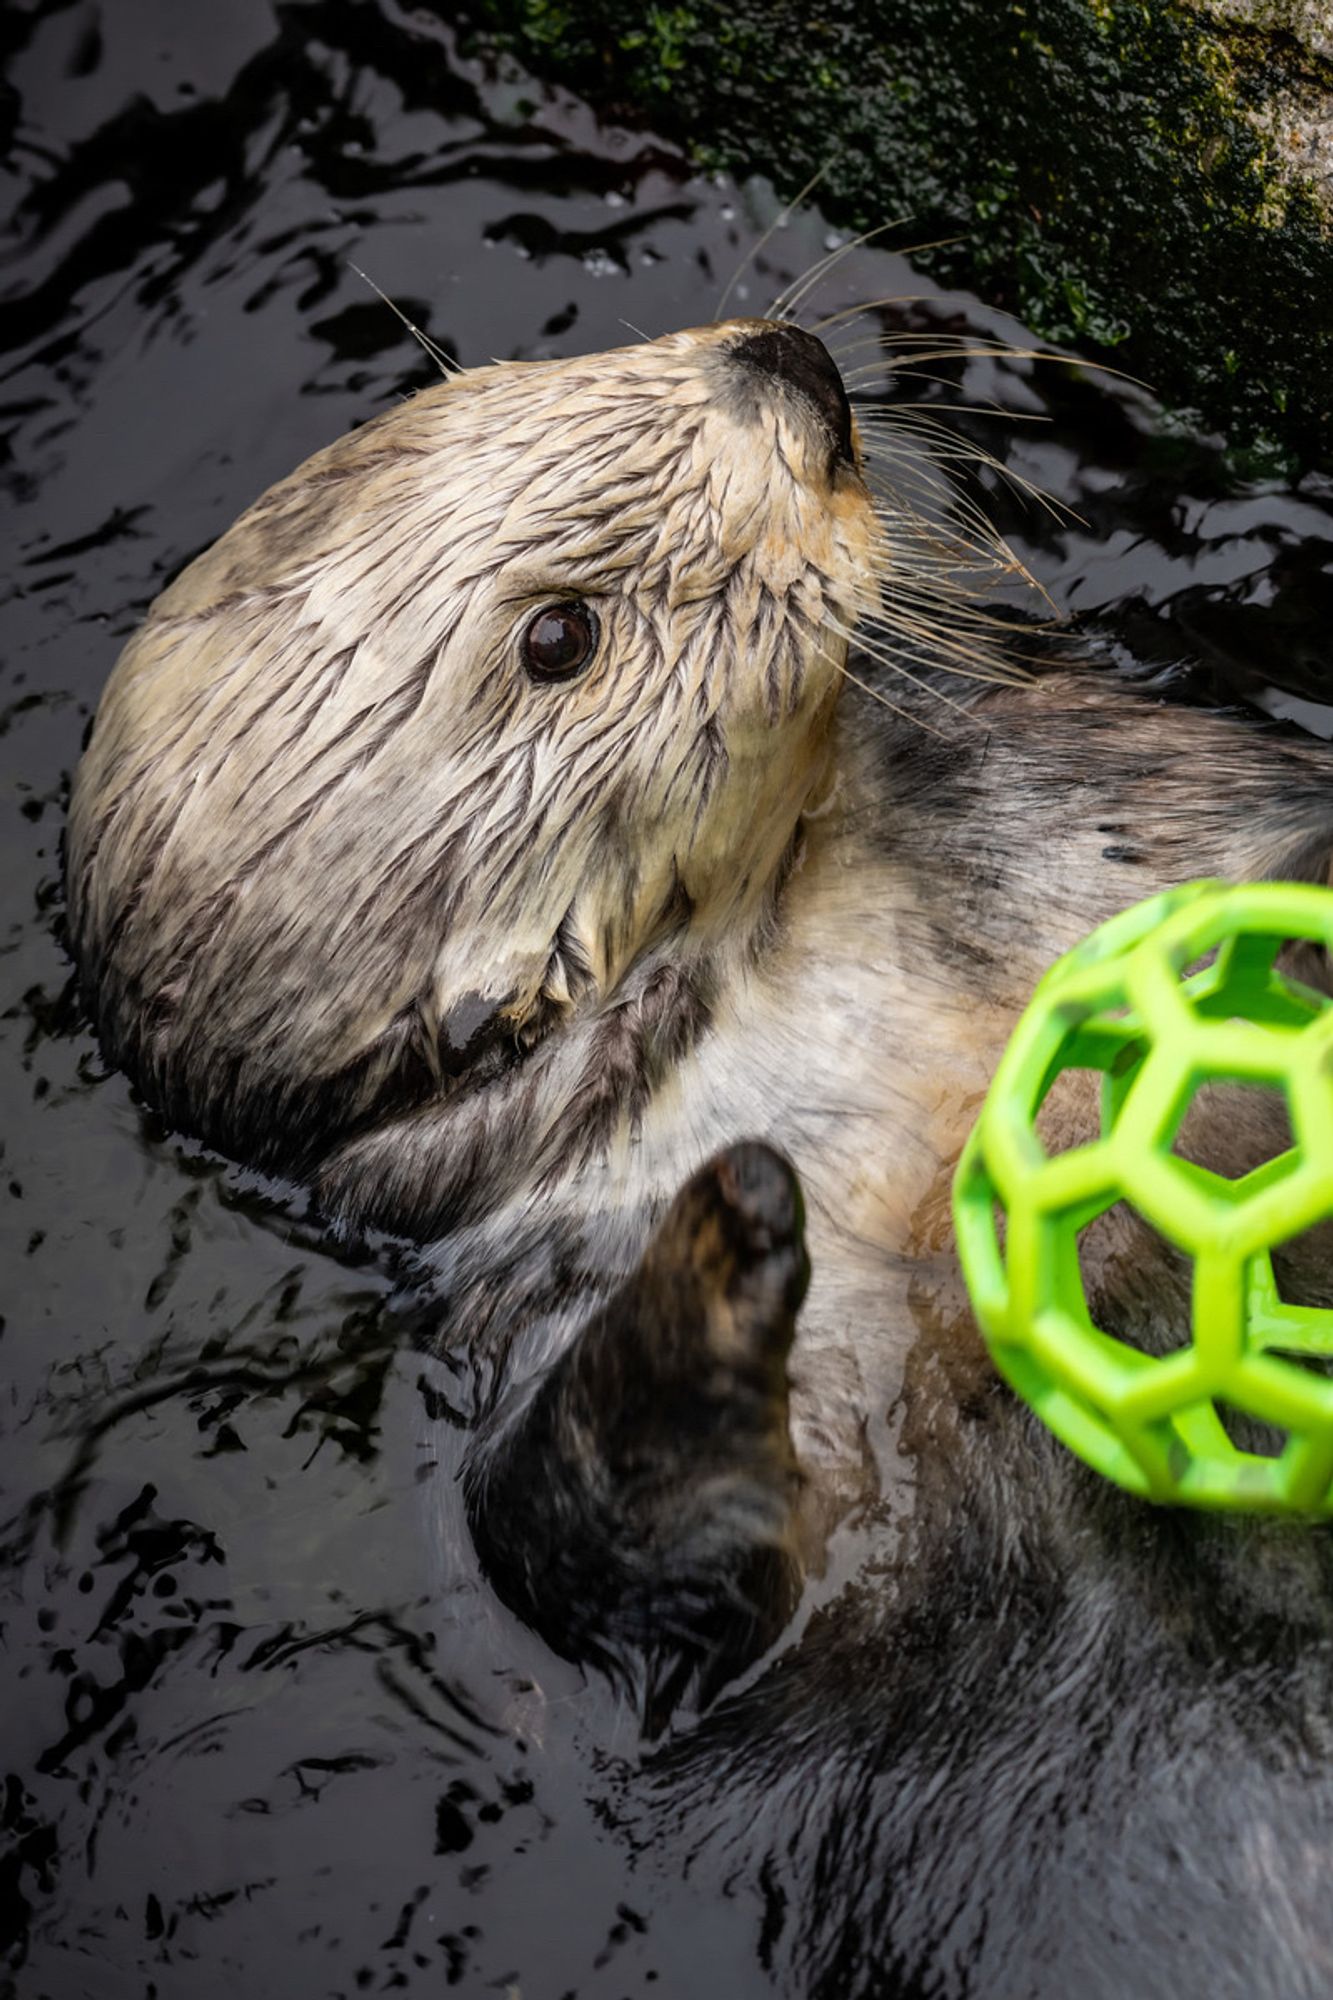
(334, 854)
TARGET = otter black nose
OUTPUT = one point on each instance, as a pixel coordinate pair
(790, 355)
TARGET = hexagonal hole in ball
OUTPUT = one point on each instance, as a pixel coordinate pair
(1250, 1434)
(1232, 1128)
(1307, 964)
(1204, 963)
(1301, 1268)
(1069, 1114)
(1104, 1056)
(1137, 1285)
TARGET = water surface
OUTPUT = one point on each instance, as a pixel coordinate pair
(250, 1740)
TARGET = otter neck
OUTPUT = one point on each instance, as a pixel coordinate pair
(591, 1059)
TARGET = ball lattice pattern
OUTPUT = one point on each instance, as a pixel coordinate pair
(1177, 993)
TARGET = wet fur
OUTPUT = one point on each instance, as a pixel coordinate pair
(1031, 1737)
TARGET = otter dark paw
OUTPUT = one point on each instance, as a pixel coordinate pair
(637, 1510)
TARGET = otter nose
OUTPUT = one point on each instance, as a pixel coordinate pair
(790, 355)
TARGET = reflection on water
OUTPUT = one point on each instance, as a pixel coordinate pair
(252, 1730)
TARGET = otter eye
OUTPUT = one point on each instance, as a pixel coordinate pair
(559, 642)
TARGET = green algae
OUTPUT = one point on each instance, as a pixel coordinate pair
(1099, 160)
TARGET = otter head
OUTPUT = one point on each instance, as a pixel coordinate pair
(494, 720)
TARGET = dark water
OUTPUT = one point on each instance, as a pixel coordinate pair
(251, 1743)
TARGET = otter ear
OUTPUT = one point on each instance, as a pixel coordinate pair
(637, 1508)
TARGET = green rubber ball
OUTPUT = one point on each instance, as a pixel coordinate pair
(1180, 991)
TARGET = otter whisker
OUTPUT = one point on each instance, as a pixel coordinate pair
(948, 581)
(922, 460)
(1057, 510)
(927, 461)
(843, 249)
(847, 314)
(897, 666)
(973, 347)
(966, 410)
(958, 607)
(896, 479)
(864, 376)
(792, 293)
(925, 355)
(941, 591)
(851, 312)
(918, 494)
(978, 665)
(865, 373)
(903, 714)
(953, 343)
(780, 221)
(942, 594)
(955, 608)
(946, 589)
(945, 549)
(986, 660)
(919, 469)
(880, 431)
(941, 555)
(946, 594)
(444, 362)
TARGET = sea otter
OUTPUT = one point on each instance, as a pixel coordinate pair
(483, 831)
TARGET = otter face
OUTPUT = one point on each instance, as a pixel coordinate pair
(459, 723)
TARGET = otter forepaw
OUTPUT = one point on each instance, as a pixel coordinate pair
(638, 1509)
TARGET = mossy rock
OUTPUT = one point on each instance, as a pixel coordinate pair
(1152, 181)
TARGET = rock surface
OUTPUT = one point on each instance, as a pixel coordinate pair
(1288, 45)
(1153, 182)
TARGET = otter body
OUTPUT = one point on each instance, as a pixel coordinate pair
(479, 832)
